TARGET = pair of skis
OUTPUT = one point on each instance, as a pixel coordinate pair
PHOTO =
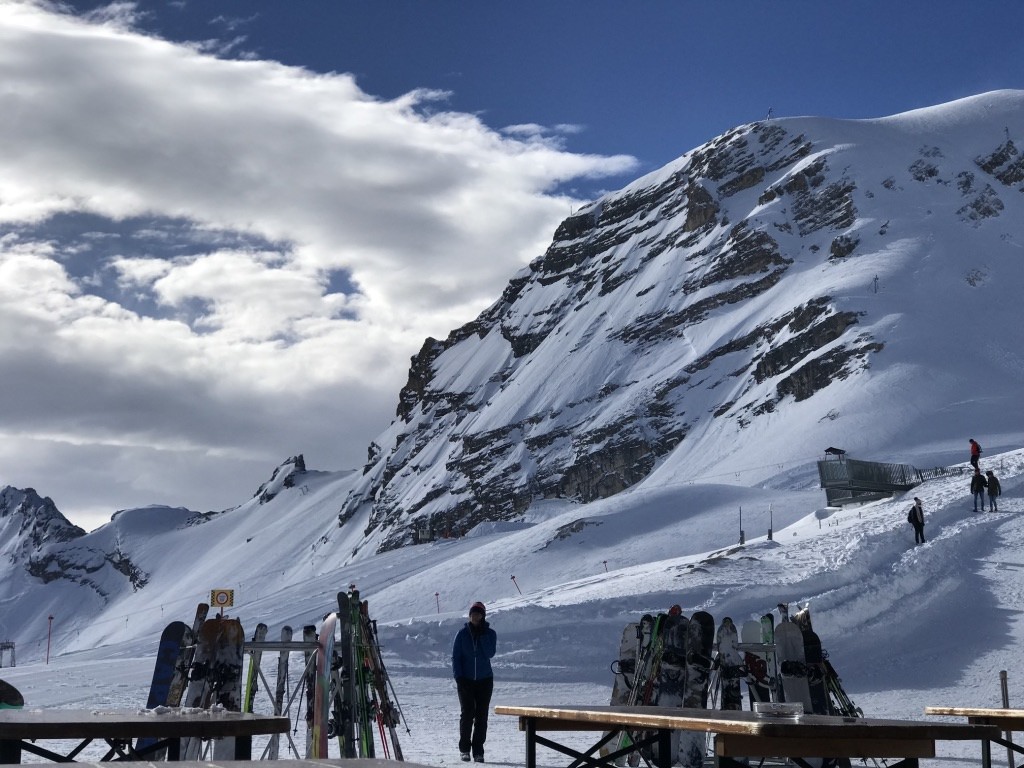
(351, 689)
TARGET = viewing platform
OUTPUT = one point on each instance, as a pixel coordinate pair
(852, 481)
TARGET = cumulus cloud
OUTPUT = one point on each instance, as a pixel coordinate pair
(207, 265)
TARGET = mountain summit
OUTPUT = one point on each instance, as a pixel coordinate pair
(782, 288)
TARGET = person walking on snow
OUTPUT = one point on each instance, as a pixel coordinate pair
(916, 518)
(978, 485)
(994, 490)
(474, 647)
(975, 452)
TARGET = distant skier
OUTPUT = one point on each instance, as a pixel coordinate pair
(916, 518)
(474, 647)
(994, 490)
(978, 485)
(975, 452)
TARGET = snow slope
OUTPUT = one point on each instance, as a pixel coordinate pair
(905, 625)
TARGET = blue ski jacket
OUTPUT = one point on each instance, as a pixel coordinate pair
(472, 652)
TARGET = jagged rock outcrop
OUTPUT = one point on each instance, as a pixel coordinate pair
(698, 300)
(40, 539)
(284, 476)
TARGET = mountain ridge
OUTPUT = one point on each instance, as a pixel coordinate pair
(752, 262)
(662, 342)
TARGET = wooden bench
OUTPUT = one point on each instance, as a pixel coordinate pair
(20, 728)
(1007, 720)
(741, 734)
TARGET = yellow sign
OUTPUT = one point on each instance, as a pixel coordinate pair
(222, 598)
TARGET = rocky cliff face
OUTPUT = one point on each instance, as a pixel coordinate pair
(699, 300)
(40, 540)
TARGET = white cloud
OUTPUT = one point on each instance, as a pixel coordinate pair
(378, 223)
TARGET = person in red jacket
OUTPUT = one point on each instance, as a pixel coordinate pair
(975, 452)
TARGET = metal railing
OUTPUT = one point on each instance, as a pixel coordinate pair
(857, 475)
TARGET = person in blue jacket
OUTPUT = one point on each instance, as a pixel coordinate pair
(474, 647)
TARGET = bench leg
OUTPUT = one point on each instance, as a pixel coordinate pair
(10, 751)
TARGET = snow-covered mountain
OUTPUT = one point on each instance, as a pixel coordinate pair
(687, 345)
(736, 311)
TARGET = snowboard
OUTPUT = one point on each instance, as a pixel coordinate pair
(707, 648)
(624, 667)
(672, 670)
(699, 642)
(814, 662)
(755, 661)
(789, 645)
(166, 657)
(731, 669)
(10, 697)
(167, 653)
(216, 678)
(252, 683)
(802, 618)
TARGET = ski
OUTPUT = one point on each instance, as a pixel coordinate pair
(322, 687)
(771, 657)
(183, 666)
(643, 690)
(344, 682)
(309, 638)
(255, 658)
(388, 713)
(813, 659)
(280, 689)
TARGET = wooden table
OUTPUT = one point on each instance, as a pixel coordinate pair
(741, 734)
(20, 727)
(1003, 719)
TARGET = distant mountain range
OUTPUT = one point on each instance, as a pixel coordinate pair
(790, 285)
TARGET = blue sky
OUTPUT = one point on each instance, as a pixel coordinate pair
(648, 79)
(225, 227)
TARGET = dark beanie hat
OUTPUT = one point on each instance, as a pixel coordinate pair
(478, 607)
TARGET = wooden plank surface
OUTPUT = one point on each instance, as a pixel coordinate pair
(1005, 719)
(360, 762)
(131, 724)
(564, 717)
(741, 745)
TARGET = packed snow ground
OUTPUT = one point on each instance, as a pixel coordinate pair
(906, 626)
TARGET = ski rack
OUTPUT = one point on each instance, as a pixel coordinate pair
(291, 646)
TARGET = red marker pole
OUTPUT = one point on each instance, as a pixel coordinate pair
(437, 598)
(517, 585)
(49, 633)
